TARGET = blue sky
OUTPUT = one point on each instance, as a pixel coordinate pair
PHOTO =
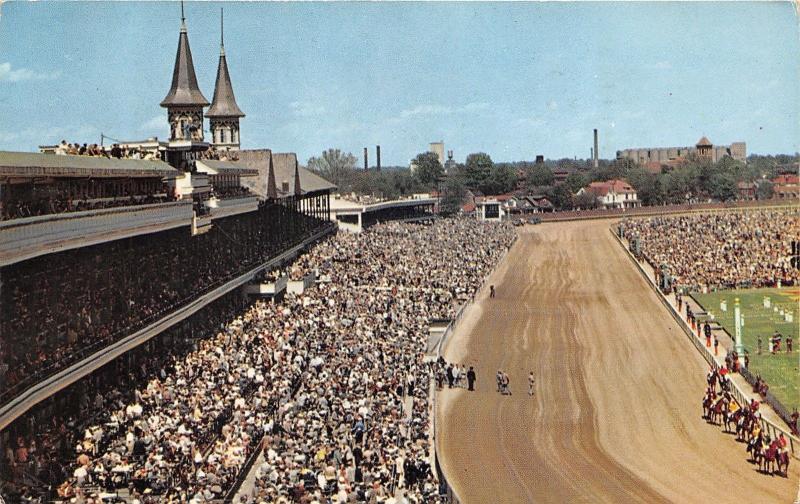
(510, 79)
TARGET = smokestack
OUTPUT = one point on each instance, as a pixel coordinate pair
(378, 157)
(366, 160)
(596, 156)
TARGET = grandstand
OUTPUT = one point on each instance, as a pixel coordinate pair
(112, 262)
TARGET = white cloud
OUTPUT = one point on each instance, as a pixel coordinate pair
(438, 110)
(158, 122)
(552, 105)
(9, 74)
(306, 109)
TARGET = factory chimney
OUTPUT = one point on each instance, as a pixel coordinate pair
(366, 160)
(596, 156)
(378, 157)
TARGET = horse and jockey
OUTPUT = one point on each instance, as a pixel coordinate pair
(720, 408)
(771, 455)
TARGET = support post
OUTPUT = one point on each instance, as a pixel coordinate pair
(737, 315)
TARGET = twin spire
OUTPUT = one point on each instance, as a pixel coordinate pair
(185, 91)
(224, 102)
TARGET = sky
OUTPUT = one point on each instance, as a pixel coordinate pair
(510, 79)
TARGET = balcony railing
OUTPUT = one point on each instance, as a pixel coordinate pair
(22, 239)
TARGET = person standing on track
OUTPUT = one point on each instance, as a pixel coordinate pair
(531, 382)
(491, 291)
(471, 379)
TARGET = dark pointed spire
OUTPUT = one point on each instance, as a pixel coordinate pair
(272, 189)
(298, 191)
(184, 90)
(224, 102)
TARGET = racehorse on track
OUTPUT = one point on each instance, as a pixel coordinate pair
(756, 448)
(719, 411)
(708, 402)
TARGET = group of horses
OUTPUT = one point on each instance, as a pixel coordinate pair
(720, 408)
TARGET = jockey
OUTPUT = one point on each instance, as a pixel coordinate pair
(733, 407)
(782, 442)
(753, 405)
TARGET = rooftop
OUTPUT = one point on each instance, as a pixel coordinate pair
(31, 164)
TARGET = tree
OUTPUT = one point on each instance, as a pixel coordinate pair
(560, 196)
(477, 169)
(766, 189)
(501, 180)
(335, 166)
(585, 201)
(428, 169)
(453, 194)
(723, 186)
(575, 181)
(539, 175)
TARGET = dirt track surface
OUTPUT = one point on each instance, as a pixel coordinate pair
(616, 415)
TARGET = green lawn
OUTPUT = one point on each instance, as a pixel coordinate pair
(780, 371)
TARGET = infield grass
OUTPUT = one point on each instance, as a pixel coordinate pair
(780, 370)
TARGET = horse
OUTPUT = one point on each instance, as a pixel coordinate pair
(708, 403)
(769, 458)
(755, 447)
(744, 422)
(732, 418)
(782, 459)
(719, 411)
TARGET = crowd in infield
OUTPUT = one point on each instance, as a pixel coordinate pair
(320, 381)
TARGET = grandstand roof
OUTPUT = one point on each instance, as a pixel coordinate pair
(283, 165)
(32, 164)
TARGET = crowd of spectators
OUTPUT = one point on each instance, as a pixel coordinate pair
(331, 382)
(116, 151)
(722, 249)
(34, 208)
(61, 307)
(129, 152)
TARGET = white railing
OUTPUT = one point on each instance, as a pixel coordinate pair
(22, 239)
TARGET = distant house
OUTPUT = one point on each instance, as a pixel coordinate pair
(786, 186)
(533, 203)
(613, 194)
(747, 190)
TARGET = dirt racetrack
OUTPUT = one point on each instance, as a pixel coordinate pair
(616, 415)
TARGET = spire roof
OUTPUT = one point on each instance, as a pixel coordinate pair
(298, 191)
(224, 103)
(184, 90)
(704, 142)
(272, 190)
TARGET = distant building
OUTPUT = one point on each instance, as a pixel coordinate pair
(655, 156)
(613, 194)
(489, 208)
(786, 186)
(450, 164)
(438, 149)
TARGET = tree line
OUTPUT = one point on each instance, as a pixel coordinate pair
(694, 180)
